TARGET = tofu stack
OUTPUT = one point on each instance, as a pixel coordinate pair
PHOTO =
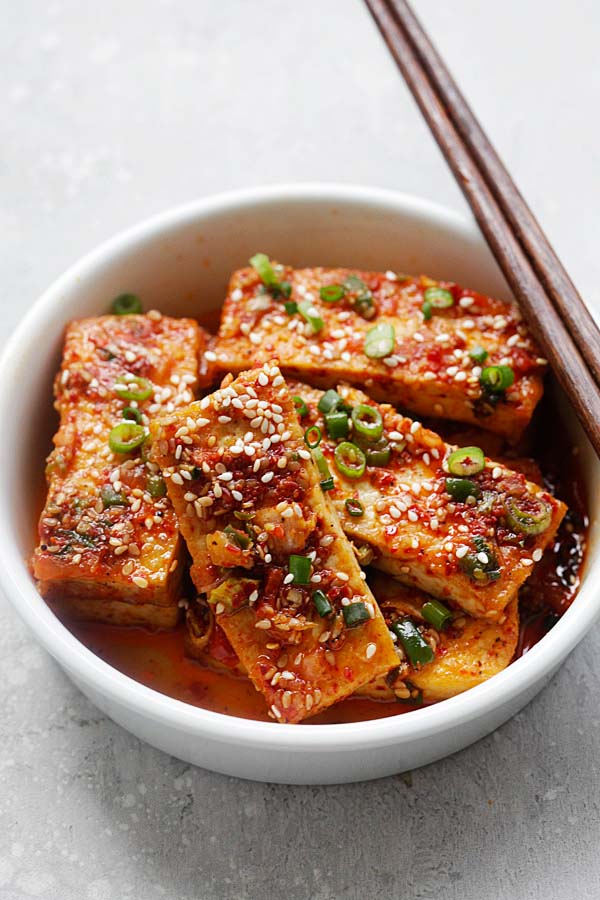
(109, 546)
(267, 549)
(414, 342)
(456, 546)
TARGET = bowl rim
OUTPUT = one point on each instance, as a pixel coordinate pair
(86, 667)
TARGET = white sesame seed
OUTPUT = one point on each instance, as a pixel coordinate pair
(483, 558)
(461, 551)
(412, 515)
(225, 476)
(263, 624)
(224, 420)
(210, 355)
(537, 555)
(140, 582)
(371, 650)
(267, 477)
(288, 578)
(176, 478)
(415, 427)
(526, 561)
(237, 495)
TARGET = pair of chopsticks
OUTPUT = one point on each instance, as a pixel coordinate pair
(551, 305)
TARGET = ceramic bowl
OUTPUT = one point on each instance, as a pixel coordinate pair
(179, 262)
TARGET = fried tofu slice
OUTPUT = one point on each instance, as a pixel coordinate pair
(109, 544)
(409, 525)
(267, 547)
(467, 652)
(429, 364)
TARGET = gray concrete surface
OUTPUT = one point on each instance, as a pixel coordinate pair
(114, 111)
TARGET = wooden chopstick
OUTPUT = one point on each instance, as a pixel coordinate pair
(543, 319)
(541, 254)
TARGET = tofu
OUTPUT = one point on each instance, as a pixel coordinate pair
(413, 529)
(109, 547)
(467, 652)
(248, 498)
(428, 371)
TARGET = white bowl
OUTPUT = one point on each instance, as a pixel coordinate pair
(179, 262)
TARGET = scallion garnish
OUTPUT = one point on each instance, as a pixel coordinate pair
(135, 388)
(350, 460)
(132, 414)
(380, 340)
(438, 297)
(337, 425)
(481, 564)
(355, 614)
(329, 402)
(527, 514)
(291, 307)
(427, 310)
(156, 486)
(324, 471)
(311, 315)
(466, 461)
(322, 604)
(331, 293)
(300, 406)
(126, 437)
(312, 437)
(354, 508)
(367, 422)
(262, 265)
(436, 614)
(479, 354)
(497, 379)
(462, 488)
(415, 646)
(126, 305)
(111, 498)
(240, 539)
(300, 567)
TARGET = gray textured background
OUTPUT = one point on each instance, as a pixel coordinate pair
(114, 111)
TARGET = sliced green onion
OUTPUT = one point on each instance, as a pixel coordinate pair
(156, 486)
(312, 436)
(528, 514)
(324, 471)
(329, 402)
(310, 314)
(380, 340)
(355, 614)
(378, 454)
(261, 264)
(300, 567)
(331, 293)
(126, 437)
(427, 310)
(466, 461)
(350, 460)
(300, 406)
(439, 297)
(478, 354)
(285, 288)
(365, 306)
(291, 307)
(436, 614)
(135, 388)
(126, 305)
(133, 414)
(367, 422)
(240, 539)
(481, 564)
(354, 508)
(355, 284)
(322, 604)
(415, 646)
(461, 488)
(497, 378)
(111, 498)
(337, 425)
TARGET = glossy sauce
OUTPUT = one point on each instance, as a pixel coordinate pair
(157, 659)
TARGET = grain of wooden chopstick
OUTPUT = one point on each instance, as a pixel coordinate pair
(542, 256)
(543, 319)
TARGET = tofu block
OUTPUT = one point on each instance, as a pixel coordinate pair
(427, 368)
(467, 652)
(412, 528)
(263, 539)
(109, 545)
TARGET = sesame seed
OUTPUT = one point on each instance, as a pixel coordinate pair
(496, 472)
(237, 495)
(526, 561)
(176, 478)
(288, 578)
(461, 551)
(483, 558)
(210, 355)
(224, 420)
(263, 624)
(371, 650)
(412, 515)
(537, 555)
(140, 582)
(267, 477)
